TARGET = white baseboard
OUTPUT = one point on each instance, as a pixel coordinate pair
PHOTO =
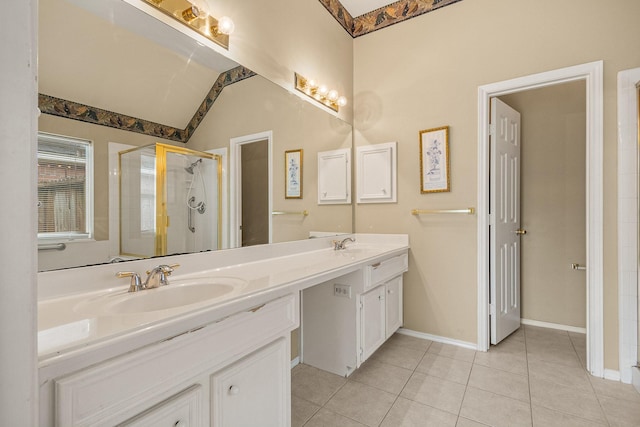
(295, 362)
(553, 326)
(610, 374)
(437, 338)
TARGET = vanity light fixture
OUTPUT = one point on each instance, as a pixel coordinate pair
(320, 92)
(195, 15)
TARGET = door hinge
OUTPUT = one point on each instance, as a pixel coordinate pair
(492, 129)
(492, 309)
(361, 351)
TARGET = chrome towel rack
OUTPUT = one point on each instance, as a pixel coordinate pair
(303, 213)
(52, 247)
(468, 211)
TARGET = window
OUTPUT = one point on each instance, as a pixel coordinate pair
(65, 188)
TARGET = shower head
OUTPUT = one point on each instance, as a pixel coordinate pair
(189, 168)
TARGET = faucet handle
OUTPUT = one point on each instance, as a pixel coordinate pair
(136, 282)
(165, 268)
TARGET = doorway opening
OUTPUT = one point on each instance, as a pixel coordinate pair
(548, 235)
(251, 189)
(591, 74)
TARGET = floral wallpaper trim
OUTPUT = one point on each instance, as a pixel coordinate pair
(393, 13)
(224, 79)
(97, 116)
(85, 113)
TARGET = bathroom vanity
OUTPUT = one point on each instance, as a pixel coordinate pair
(216, 340)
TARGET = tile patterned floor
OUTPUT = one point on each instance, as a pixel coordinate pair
(536, 377)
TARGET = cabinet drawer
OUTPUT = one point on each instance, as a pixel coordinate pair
(182, 410)
(385, 270)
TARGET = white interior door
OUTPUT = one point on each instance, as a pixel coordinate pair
(505, 221)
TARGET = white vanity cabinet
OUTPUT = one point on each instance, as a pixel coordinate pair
(346, 319)
(233, 372)
(255, 390)
(380, 315)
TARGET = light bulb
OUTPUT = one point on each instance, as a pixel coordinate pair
(332, 95)
(322, 90)
(312, 83)
(226, 25)
(190, 13)
(202, 6)
(342, 101)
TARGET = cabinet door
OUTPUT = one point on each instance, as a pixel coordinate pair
(182, 410)
(334, 177)
(393, 305)
(254, 391)
(372, 321)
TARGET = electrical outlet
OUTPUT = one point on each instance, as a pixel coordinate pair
(342, 290)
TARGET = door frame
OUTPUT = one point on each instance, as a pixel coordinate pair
(592, 74)
(235, 187)
(627, 220)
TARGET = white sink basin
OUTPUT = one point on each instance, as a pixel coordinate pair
(176, 294)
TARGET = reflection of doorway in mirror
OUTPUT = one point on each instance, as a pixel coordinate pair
(255, 193)
(251, 189)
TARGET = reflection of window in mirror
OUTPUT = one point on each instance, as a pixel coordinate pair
(65, 191)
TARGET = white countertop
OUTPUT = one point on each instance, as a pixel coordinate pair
(71, 336)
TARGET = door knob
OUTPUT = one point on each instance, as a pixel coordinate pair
(521, 232)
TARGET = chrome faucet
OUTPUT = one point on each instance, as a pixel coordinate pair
(338, 245)
(157, 276)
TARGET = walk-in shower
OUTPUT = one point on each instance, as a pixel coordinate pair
(169, 201)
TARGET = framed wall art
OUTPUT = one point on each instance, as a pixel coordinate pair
(434, 160)
(293, 174)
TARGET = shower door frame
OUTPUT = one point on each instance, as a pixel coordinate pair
(162, 222)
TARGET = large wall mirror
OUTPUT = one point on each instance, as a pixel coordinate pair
(151, 101)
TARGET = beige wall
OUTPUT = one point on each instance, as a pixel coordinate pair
(425, 73)
(277, 38)
(553, 200)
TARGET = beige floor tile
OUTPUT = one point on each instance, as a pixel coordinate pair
(402, 357)
(621, 413)
(543, 417)
(386, 377)
(615, 389)
(538, 332)
(561, 353)
(314, 385)
(414, 343)
(578, 338)
(571, 376)
(433, 391)
(464, 422)
(445, 368)
(518, 335)
(326, 418)
(360, 402)
(500, 382)
(565, 399)
(301, 411)
(452, 351)
(406, 413)
(495, 410)
(516, 363)
(510, 346)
